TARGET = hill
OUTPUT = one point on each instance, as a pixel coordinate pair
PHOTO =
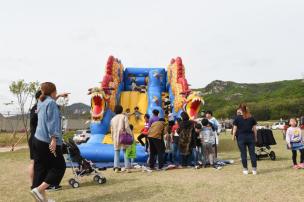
(77, 110)
(281, 99)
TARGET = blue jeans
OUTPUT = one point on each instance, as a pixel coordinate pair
(247, 141)
(117, 159)
(196, 155)
(175, 154)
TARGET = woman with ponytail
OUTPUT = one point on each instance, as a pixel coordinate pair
(49, 164)
(244, 131)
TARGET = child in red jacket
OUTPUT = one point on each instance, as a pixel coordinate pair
(144, 132)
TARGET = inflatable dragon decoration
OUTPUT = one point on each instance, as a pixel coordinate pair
(104, 97)
(184, 98)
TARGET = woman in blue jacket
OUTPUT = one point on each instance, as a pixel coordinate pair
(49, 164)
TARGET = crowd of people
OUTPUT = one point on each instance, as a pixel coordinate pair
(177, 143)
(169, 143)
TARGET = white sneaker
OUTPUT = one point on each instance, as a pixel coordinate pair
(254, 172)
(245, 172)
(37, 195)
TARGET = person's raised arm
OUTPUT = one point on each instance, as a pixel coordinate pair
(62, 95)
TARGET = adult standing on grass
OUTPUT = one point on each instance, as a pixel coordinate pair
(185, 132)
(245, 127)
(156, 143)
(119, 123)
(33, 126)
(49, 164)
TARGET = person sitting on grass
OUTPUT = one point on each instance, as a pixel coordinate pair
(144, 133)
(207, 136)
(294, 141)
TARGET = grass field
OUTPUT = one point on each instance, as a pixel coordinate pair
(276, 181)
(8, 139)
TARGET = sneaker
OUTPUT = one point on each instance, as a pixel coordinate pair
(295, 167)
(54, 188)
(51, 200)
(301, 165)
(197, 167)
(147, 169)
(117, 170)
(217, 167)
(245, 172)
(37, 195)
(137, 166)
(254, 172)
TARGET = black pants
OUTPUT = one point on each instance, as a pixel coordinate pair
(142, 136)
(157, 148)
(247, 141)
(47, 167)
(294, 156)
(185, 159)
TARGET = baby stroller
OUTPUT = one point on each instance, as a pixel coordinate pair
(265, 139)
(84, 167)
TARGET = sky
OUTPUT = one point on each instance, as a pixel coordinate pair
(68, 42)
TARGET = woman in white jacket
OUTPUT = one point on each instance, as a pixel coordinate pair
(118, 123)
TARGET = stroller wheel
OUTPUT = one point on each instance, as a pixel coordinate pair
(71, 181)
(272, 155)
(102, 180)
(96, 178)
(75, 184)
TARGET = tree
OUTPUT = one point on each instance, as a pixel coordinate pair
(25, 94)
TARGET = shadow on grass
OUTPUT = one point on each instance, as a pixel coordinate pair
(89, 182)
(133, 194)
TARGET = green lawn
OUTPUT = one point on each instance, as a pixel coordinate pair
(276, 181)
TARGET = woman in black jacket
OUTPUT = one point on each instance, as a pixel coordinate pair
(244, 131)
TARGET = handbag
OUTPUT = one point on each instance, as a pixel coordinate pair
(124, 137)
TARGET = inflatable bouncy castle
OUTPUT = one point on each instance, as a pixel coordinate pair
(117, 87)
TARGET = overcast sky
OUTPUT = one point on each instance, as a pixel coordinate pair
(68, 42)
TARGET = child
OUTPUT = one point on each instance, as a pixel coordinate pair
(127, 112)
(131, 150)
(197, 150)
(134, 86)
(168, 142)
(144, 132)
(175, 141)
(137, 113)
(207, 136)
(294, 141)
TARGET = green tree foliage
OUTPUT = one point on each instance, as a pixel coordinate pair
(282, 99)
(25, 94)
